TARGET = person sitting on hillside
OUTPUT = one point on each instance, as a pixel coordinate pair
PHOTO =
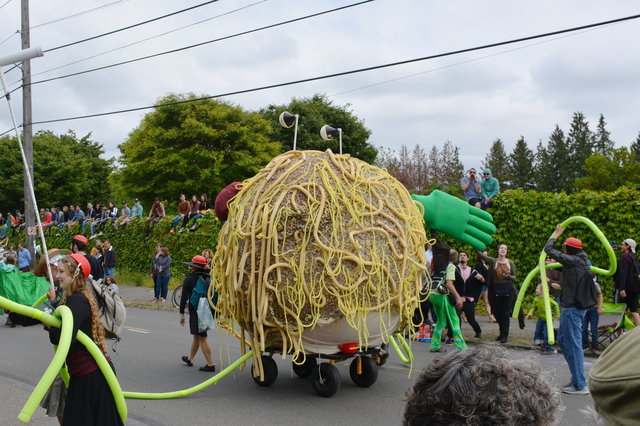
(99, 222)
(78, 217)
(204, 205)
(135, 212)
(155, 214)
(125, 213)
(90, 217)
(490, 188)
(183, 212)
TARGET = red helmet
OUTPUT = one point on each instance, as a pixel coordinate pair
(198, 262)
(81, 238)
(85, 266)
(573, 242)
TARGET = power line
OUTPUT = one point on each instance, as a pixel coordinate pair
(104, 6)
(10, 37)
(148, 38)
(130, 26)
(6, 3)
(343, 73)
(202, 43)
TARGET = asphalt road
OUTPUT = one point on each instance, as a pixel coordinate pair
(148, 360)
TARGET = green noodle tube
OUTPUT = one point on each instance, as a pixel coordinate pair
(191, 390)
(543, 276)
(408, 359)
(56, 364)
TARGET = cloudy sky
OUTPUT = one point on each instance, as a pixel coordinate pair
(471, 99)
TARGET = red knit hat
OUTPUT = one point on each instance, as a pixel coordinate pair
(573, 242)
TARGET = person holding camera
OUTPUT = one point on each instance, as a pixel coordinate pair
(471, 188)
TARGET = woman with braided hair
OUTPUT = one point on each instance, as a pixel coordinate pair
(89, 398)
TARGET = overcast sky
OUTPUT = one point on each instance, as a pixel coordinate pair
(471, 99)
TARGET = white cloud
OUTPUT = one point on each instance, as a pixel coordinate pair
(469, 99)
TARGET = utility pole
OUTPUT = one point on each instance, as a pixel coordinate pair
(29, 210)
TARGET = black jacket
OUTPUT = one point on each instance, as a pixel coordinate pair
(573, 268)
(109, 258)
(625, 273)
(188, 285)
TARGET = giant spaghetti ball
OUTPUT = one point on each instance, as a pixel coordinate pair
(319, 250)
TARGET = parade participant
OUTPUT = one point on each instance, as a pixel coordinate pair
(483, 277)
(576, 277)
(468, 287)
(502, 290)
(540, 333)
(79, 245)
(89, 398)
(628, 278)
(481, 386)
(198, 270)
(445, 311)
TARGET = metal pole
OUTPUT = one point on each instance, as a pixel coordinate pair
(30, 211)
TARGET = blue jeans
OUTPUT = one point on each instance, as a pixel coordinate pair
(570, 339)
(109, 272)
(161, 287)
(591, 317)
(176, 221)
(195, 218)
(541, 333)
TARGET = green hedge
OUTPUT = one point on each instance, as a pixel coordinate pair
(524, 221)
(134, 250)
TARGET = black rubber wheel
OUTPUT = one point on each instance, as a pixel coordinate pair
(325, 379)
(369, 372)
(270, 372)
(176, 296)
(305, 369)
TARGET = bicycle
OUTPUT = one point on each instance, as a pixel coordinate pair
(176, 296)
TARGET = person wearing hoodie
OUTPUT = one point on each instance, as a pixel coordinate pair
(575, 266)
(490, 187)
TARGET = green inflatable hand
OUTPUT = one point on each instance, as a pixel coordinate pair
(457, 218)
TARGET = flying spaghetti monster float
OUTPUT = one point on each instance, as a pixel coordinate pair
(322, 257)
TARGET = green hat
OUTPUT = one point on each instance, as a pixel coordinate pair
(614, 380)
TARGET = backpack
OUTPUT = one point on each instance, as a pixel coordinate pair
(200, 290)
(112, 310)
(585, 296)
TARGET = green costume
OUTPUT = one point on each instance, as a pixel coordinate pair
(445, 310)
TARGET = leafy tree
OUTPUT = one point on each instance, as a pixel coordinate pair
(521, 162)
(314, 113)
(609, 174)
(496, 160)
(580, 143)
(635, 147)
(552, 173)
(602, 142)
(193, 147)
(67, 170)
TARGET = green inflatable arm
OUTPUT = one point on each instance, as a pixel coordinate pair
(457, 218)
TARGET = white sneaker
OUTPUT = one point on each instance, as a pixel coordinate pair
(181, 230)
(574, 391)
(567, 387)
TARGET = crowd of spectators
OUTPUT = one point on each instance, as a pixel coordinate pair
(96, 216)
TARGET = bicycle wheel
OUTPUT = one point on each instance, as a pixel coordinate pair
(176, 296)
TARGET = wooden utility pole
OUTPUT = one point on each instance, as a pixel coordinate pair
(27, 141)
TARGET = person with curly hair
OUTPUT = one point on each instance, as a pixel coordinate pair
(481, 386)
(89, 398)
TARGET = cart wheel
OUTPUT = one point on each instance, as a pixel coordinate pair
(270, 372)
(305, 369)
(369, 372)
(325, 379)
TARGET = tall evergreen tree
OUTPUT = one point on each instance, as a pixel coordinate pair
(434, 166)
(635, 147)
(497, 161)
(543, 170)
(552, 171)
(521, 162)
(452, 168)
(580, 143)
(602, 142)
